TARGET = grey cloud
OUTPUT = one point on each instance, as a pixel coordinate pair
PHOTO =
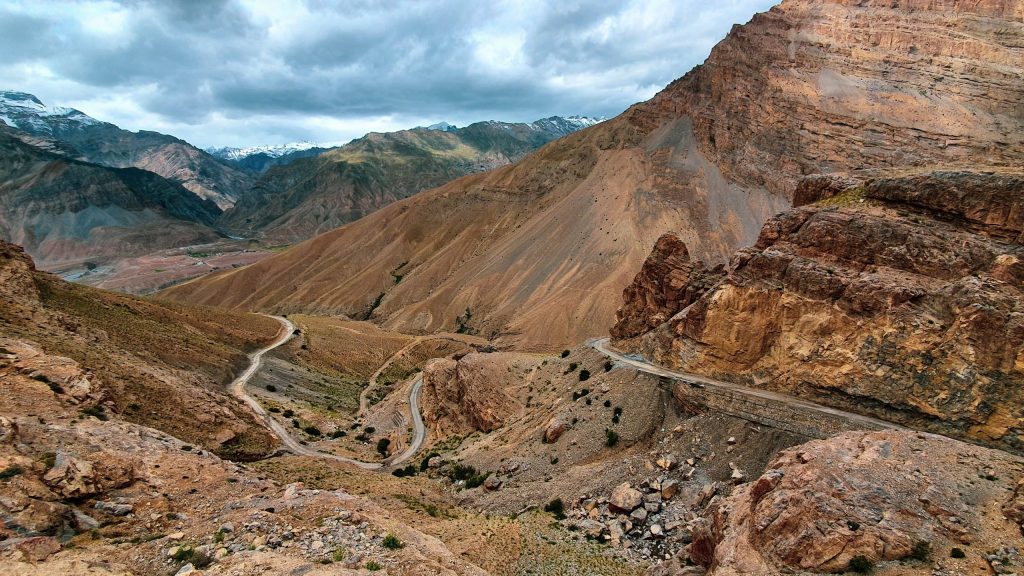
(187, 61)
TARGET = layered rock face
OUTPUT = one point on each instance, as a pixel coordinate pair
(540, 250)
(667, 283)
(899, 295)
(882, 496)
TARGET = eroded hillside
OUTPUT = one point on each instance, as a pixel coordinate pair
(537, 252)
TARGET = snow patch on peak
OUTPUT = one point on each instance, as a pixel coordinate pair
(228, 153)
(25, 111)
(443, 127)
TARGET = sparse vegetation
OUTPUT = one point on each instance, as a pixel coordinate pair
(572, 368)
(611, 437)
(462, 323)
(565, 353)
(861, 565)
(608, 365)
(391, 542)
(271, 388)
(312, 431)
(11, 471)
(382, 446)
(96, 411)
(921, 551)
(556, 508)
(372, 566)
(288, 413)
(584, 375)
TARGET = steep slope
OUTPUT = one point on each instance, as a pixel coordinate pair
(66, 212)
(157, 364)
(538, 252)
(104, 143)
(900, 295)
(305, 197)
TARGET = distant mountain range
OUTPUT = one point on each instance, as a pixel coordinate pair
(80, 192)
(87, 138)
(309, 196)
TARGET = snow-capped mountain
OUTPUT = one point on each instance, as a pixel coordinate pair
(443, 127)
(24, 111)
(228, 153)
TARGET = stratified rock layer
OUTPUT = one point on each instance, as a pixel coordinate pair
(900, 296)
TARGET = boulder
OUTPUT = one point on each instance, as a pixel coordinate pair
(492, 483)
(554, 430)
(625, 498)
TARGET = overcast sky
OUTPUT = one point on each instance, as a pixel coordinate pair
(249, 72)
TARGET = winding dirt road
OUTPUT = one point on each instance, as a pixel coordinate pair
(602, 346)
(237, 388)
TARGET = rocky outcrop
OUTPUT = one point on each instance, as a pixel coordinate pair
(472, 393)
(880, 496)
(668, 282)
(898, 295)
(75, 477)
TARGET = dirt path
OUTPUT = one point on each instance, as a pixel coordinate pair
(237, 388)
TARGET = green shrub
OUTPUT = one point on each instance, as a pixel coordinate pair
(372, 566)
(556, 508)
(200, 559)
(572, 367)
(339, 433)
(274, 410)
(271, 388)
(922, 551)
(382, 446)
(611, 437)
(288, 413)
(607, 403)
(312, 430)
(11, 471)
(96, 411)
(584, 375)
(565, 353)
(338, 555)
(391, 542)
(608, 365)
(55, 388)
(861, 564)
(957, 553)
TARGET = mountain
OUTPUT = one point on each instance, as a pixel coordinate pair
(894, 293)
(537, 253)
(68, 212)
(258, 159)
(106, 144)
(312, 195)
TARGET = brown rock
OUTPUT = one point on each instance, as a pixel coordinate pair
(912, 299)
(879, 493)
(75, 477)
(554, 430)
(667, 283)
(492, 483)
(38, 548)
(624, 498)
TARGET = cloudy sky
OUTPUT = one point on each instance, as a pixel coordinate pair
(249, 72)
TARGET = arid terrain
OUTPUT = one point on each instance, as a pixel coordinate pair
(768, 322)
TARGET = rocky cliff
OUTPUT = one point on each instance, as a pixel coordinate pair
(894, 294)
(540, 250)
(896, 502)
